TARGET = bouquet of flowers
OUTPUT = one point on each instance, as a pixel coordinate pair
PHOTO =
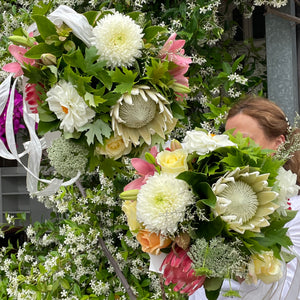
(110, 82)
(212, 208)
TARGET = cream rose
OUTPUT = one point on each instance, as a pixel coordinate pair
(129, 208)
(202, 142)
(173, 161)
(113, 148)
(265, 267)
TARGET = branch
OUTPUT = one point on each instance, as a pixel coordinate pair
(117, 269)
(283, 15)
(109, 256)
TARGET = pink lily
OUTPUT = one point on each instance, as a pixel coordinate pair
(144, 169)
(173, 51)
(16, 67)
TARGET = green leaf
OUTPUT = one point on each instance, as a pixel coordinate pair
(152, 31)
(212, 295)
(64, 283)
(198, 181)
(125, 80)
(45, 26)
(236, 63)
(42, 269)
(213, 284)
(42, 8)
(36, 51)
(177, 110)
(44, 127)
(210, 229)
(158, 72)
(75, 59)
(97, 129)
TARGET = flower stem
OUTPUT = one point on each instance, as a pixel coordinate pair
(162, 287)
(109, 256)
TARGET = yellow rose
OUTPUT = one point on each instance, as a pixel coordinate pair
(172, 161)
(265, 267)
(113, 148)
(152, 242)
(129, 208)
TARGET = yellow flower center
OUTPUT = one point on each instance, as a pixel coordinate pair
(139, 113)
(244, 201)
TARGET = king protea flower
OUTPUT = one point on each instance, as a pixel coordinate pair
(177, 269)
(141, 113)
(244, 200)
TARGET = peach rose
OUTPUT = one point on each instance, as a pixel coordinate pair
(173, 161)
(152, 242)
(264, 266)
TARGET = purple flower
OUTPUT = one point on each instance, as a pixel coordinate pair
(17, 117)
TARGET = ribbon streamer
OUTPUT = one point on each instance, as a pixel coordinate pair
(33, 147)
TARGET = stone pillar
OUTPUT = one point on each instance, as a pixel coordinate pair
(281, 51)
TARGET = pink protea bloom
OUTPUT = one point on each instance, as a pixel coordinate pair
(32, 97)
(177, 269)
(16, 67)
(144, 169)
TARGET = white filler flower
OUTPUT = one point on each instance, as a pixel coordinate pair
(162, 202)
(118, 40)
(69, 106)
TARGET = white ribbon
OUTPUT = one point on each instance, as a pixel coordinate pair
(33, 147)
(77, 22)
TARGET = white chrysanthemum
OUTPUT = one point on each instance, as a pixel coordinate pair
(287, 182)
(141, 113)
(162, 202)
(202, 142)
(118, 40)
(244, 200)
(69, 106)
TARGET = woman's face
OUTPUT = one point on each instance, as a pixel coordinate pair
(249, 127)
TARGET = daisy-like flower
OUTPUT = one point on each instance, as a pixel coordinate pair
(141, 113)
(244, 200)
(69, 106)
(162, 202)
(118, 40)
